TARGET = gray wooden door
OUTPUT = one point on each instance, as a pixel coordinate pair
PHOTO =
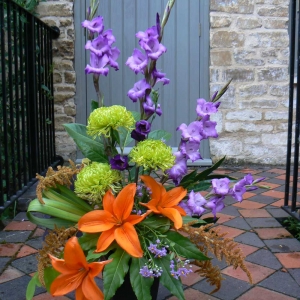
(186, 62)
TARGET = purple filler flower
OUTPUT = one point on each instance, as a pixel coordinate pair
(142, 128)
(95, 25)
(137, 62)
(221, 186)
(196, 202)
(139, 90)
(150, 109)
(205, 108)
(119, 162)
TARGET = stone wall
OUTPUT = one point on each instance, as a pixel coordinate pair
(249, 44)
(60, 13)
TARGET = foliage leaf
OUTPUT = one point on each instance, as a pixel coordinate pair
(88, 240)
(188, 219)
(94, 105)
(184, 247)
(92, 149)
(157, 223)
(167, 280)
(124, 137)
(136, 115)
(188, 179)
(114, 272)
(141, 285)
(159, 135)
(198, 187)
(34, 281)
(49, 275)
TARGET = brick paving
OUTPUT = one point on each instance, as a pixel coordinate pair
(272, 254)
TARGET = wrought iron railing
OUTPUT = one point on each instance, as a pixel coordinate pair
(27, 141)
(290, 203)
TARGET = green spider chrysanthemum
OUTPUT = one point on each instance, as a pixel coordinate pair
(152, 154)
(95, 179)
(103, 119)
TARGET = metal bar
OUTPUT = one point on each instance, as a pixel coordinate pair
(291, 101)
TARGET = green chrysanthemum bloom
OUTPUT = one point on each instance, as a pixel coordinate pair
(103, 119)
(152, 154)
(95, 179)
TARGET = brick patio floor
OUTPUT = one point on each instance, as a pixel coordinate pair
(272, 254)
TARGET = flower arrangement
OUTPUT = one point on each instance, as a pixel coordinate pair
(135, 216)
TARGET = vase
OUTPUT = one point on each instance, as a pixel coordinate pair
(125, 291)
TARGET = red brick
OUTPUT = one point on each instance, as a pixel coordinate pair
(289, 260)
(26, 250)
(272, 233)
(261, 293)
(9, 249)
(248, 195)
(38, 232)
(247, 250)
(247, 171)
(15, 225)
(249, 205)
(254, 213)
(258, 272)
(231, 232)
(191, 294)
(274, 194)
(191, 278)
(269, 184)
(278, 171)
(9, 274)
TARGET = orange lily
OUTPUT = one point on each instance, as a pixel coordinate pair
(76, 273)
(165, 203)
(115, 222)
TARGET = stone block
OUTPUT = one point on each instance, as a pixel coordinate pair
(273, 2)
(273, 74)
(225, 146)
(65, 88)
(61, 97)
(219, 119)
(233, 6)
(70, 77)
(279, 90)
(248, 127)
(70, 110)
(273, 11)
(71, 33)
(214, 74)
(244, 57)
(279, 138)
(276, 61)
(57, 78)
(249, 23)
(58, 9)
(63, 64)
(64, 48)
(253, 90)
(254, 139)
(51, 21)
(238, 74)
(220, 58)
(276, 115)
(266, 53)
(227, 39)
(65, 146)
(65, 22)
(220, 21)
(260, 103)
(62, 119)
(276, 23)
(58, 109)
(244, 115)
(273, 39)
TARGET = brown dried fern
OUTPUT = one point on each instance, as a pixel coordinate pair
(53, 244)
(62, 176)
(209, 239)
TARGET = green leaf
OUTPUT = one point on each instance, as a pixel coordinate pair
(158, 223)
(114, 272)
(202, 176)
(124, 137)
(94, 105)
(88, 240)
(188, 219)
(188, 179)
(45, 88)
(184, 247)
(136, 115)
(198, 187)
(34, 281)
(91, 148)
(92, 256)
(167, 280)
(49, 275)
(159, 135)
(141, 285)
(219, 176)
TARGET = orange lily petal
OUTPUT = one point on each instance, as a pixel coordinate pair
(180, 209)
(108, 201)
(134, 219)
(157, 189)
(97, 267)
(123, 204)
(59, 265)
(151, 205)
(96, 221)
(105, 239)
(174, 215)
(73, 255)
(65, 283)
(90, 289)
(79, 295)
(173, 197)
(126, 236)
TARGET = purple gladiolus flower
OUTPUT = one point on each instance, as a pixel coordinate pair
(213, 97)
(153, 48)
(186, 208)
(179, 169)
(208, 128)
(258, 180)
(99, 46)
(139, 90)
(191, 132)
(248, 179)
(109, 36)
(221, 186)
(150, 109)
(158, 24)
(95, 25)
(196, 202)
(160, 77)
(205, 108)
(137, 62)
(97, 65)
(190, 149)
(119, 162)
(115, 52)
(239, 190)
(150, 32)
(216, 204)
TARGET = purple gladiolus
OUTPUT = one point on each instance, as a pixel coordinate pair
(98, 46)
(150, 32)
(139, 90)
(137, 62)
(248, 179)
(119, 162)
(95, 25)
(153, 48)
(208, 128)
(216, 204)
(150, 109)
(196, 202)
(179, 169)
(191, 132)
(115, 52)
(158, 24)
(221, 186)
(109, 36)
(186, 208)
(97, 65)
(239, 190)
(160, 77)
(190, 149)
(205, 108)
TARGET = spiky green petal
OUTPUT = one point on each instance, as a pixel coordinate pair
(152, 154)
(103, 119)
